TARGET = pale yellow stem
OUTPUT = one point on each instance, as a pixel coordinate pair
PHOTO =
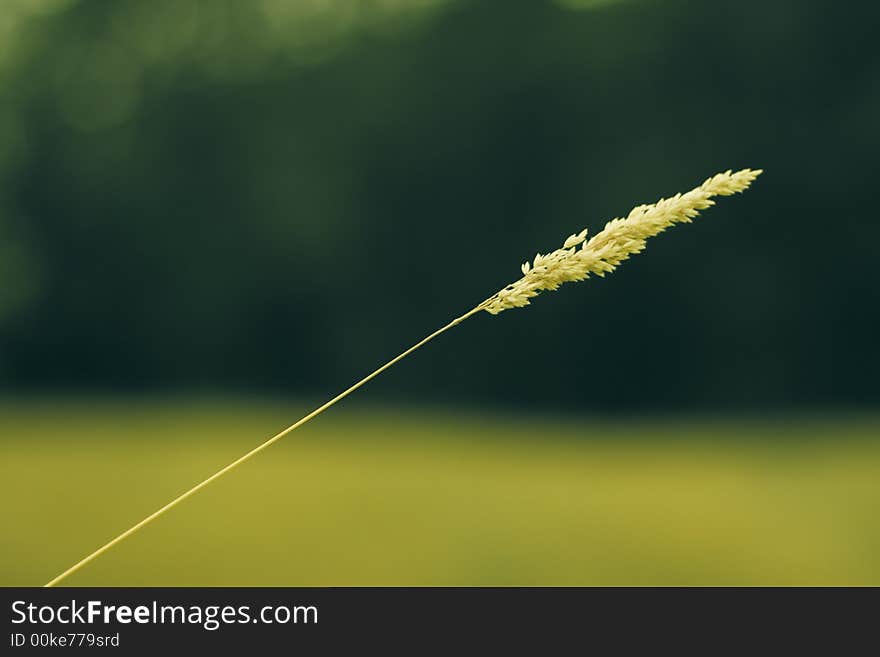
(256, 450)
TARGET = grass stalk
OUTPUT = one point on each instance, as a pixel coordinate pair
(256, 450)
(577, 259)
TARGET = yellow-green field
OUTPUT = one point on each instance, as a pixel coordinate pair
(379, 497)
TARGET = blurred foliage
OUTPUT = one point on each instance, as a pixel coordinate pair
(282, 194)
(371, 496)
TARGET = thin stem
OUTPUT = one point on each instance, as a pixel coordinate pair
(256, 450)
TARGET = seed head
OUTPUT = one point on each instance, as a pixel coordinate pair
(620, 239)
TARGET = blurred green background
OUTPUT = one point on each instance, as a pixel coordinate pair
(212, 213)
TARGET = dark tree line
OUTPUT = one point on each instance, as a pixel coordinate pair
(221, 209)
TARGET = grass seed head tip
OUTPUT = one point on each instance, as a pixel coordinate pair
(580, 258)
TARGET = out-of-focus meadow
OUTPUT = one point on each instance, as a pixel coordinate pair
(382, 497)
